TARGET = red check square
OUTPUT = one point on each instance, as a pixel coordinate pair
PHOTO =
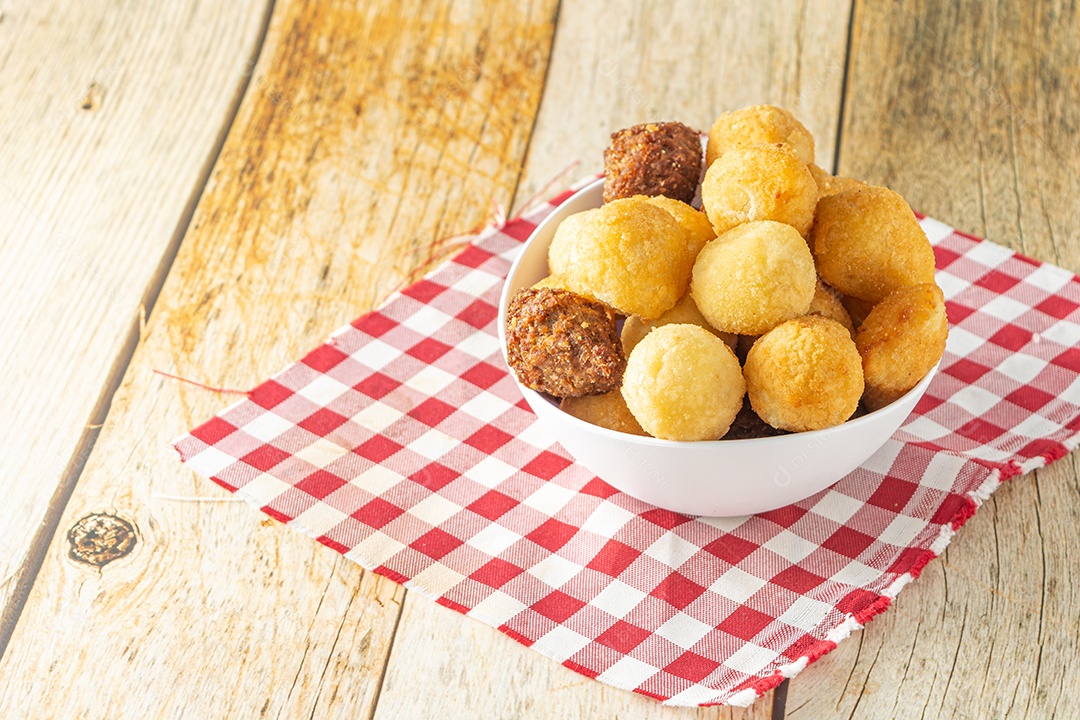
(745, 623)
(677, 590)
(557, 606)
(622, 636)
(436, 543)
(691, 666)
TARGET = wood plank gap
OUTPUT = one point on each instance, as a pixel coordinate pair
(39, 545)
(843, 91)
(779, 703)
(532, 126)
(389, 652)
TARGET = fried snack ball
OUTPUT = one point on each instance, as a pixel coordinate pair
(608, 411)
(901, 339)
(753, 278)
(759, 124)
(867, 243)
(551, 281)
(747, 425)
(563, 344)
(827, 304)
(632, 256)
(759, 182)
(831, 184)
(694, 222)
(563, 241)
(805, 374)
(683, 383)
(685, 311)
(653, 159)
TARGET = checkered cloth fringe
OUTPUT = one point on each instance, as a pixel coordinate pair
(403, 443)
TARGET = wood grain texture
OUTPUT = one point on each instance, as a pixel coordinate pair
(971, 112)
(632, 62)
(614, 65)
(112, 116)
(368, 131)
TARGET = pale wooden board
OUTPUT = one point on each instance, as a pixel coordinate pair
(972, 113)
(614, 65)
(368, 131)
(90, 200)
(687, 61)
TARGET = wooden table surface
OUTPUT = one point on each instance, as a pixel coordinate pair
(207, 188)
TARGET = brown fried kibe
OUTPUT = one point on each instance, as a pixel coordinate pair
(563, 344)
(653, 159)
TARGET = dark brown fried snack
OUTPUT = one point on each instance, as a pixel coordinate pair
(653, 159)
(747, 425)
(562, 343)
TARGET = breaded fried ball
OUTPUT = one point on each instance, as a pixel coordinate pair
(694, 222)
(608, 411)
(563, 241)
(563, 344)
(631, 255)
(826, 303)
(901, 339)
(653, 159)
(805, 374)
(753, 278)
(685, 311)
(831, 184)
(683, 383)
(867, 243)
(759, 182)
(759, 124)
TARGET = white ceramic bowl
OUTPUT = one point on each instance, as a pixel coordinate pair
(717, 478)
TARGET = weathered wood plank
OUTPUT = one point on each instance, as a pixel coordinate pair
(369, 130)
(971, 112)
(112, 116)
(614, 65)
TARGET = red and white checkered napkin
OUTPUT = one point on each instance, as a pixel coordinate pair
(404, 444)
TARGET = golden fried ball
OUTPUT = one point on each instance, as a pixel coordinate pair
(831, 184)
(805, 374)
(759, 124)
(901, 339)
(826, 303)
(683, 383)
(685, 311)
(867, 243)
(759, 182)
(608, 411)
(565, 236)
(694, 222)
(631, 255)
(753, 278)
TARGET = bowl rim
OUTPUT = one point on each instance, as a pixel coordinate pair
(647, 440)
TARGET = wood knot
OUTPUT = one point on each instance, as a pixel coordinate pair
(95, 95)
(98, 539)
